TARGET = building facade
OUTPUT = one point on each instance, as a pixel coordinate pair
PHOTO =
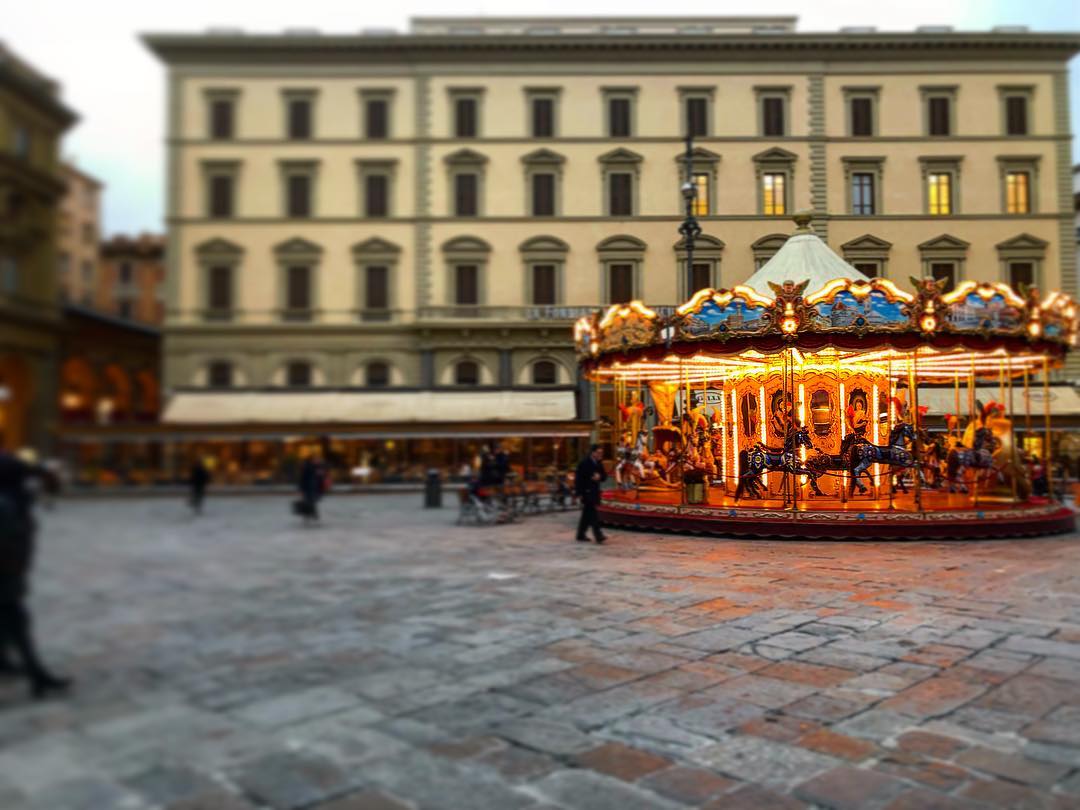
(79, 236)
(32, 121)
(131, 285)
(431, 211)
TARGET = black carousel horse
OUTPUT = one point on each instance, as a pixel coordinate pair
(761, 459)
(978, 457)
(894, 454)
(931, 457)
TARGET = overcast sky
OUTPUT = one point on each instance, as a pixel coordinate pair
(118, 87)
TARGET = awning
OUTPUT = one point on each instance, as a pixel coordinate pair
(303, 408)
(1064, 400)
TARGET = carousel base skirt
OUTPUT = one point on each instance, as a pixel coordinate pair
(995, 520)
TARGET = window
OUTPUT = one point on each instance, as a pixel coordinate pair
(376, 195)
(219, 374)
(376, 118)
(543, 194)
(376, 287)
(465, 117)
(939, 116)
(378, 374)
(543, 117)
(298, 195)
(862, 116)
(1017, 192)
(620, 114)
(221, 196)
(1016, 115)
(621, 194)
(620, 283)
(298, 292)
(773, 116)
(125, 273)
(544, 372)
(1021, 274)
(544, 285)
(697, 115)
(21, 141)
(9, 275)
(298, 374)
(939, 193)
(939, 110)
(467, 372)
(944, 273)
(89, 233)
(700, 277)
(773, 194)
(700, 203)
(298, 112)
(219, 301)
(221, 118)
(868, 269)
(466, 285)
(862, 194)
(466, 194)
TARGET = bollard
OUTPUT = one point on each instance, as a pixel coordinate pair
(433, 491)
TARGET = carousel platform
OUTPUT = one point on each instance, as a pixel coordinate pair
(944, 516)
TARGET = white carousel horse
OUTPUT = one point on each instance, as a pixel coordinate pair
(630, 469)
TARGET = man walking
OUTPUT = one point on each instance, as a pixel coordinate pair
(17, 530)
(197, 481)
(587, 480)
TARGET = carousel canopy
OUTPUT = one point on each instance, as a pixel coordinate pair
(804, 257)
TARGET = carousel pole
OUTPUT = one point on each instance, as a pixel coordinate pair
(891, 420)
(1047, 455)
(1027, 403)
(842, 414)
(971, 421)
(789, 384)
(1012, 433)
(916, 444)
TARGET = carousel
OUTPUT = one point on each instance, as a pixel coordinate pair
(788, 406)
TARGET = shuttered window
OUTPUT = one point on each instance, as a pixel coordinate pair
(543, 194)
(377, 195)
(466, 285)
(221, 196)
(377, 118)
(620, 283)
(465, 117)
(862, 116)
(543, 284)
(220, 290)
(298, 196)
(621, 194)
(1016, 115)
(619, 117)
(466, 185)
(772, 116)
(543, 117)
(299, 119)
(939, 115)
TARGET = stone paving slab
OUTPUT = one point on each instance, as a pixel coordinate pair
(390, 660)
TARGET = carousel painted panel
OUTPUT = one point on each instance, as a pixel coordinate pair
(845, 305)
(627, 326)
(982, 307)
(724, 313)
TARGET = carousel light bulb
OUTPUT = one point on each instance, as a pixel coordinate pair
(1034, 329)
(928, 323)
(789, 325)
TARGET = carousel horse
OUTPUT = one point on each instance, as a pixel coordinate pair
(978, 457)
(932, 458)
(768, 459)
(894, 454)
(630, 468)
(749, 481)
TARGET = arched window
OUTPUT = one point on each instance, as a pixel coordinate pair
(378, 374)
(219, 374)
(545, 372)
(298, 374)
(467, 372)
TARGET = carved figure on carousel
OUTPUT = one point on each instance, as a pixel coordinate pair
(781, 413)
(857, 417)
(630, 465)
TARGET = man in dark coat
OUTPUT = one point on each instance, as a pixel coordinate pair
(311, 484)
(200, 477)
(587, 480)
(17, 530)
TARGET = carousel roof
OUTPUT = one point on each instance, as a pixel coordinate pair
(804, 257)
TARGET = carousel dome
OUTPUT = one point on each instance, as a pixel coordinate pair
(804, 257)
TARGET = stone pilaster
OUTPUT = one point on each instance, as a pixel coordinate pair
(818, 175)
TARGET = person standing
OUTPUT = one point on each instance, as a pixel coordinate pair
(198, 480)
(589, 476)
(17, 536)
(311, 484)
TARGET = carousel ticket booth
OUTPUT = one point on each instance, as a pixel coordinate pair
(790, 405)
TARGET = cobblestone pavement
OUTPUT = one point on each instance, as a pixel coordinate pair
(392, 660)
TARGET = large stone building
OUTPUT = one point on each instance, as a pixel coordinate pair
(430, 211)
(79, 236)
(32, 120)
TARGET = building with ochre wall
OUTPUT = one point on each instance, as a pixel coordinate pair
(430, 211)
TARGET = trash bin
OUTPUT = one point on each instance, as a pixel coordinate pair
(433, 491)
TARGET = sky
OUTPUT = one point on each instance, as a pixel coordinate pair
(117, 86)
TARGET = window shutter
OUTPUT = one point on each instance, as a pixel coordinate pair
(1016, 118)
(299, 195)
(621, 191)
(543, 195)
(543, 118)
(377, 196)
(298, 293)
(376, 119)
(543, 286)
(221, 195)
(299, 119)
(621, 283)
(221, 119)
(773, 113)
(467, 292)
(939, 116)
(862, 117)
(465, 118)
(465, 196)
(619, 117)
(377, 287)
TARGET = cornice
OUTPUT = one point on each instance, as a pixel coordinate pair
(271, 48)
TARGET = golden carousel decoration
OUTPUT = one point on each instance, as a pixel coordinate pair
(789, 405)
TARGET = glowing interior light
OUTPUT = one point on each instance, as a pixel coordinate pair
(761, 408)
(735, 433)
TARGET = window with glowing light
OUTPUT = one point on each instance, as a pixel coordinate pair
(1018, 192)
(700, 203)
(939, 193)
(773, 197)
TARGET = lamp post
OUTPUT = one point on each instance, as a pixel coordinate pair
(690, 229)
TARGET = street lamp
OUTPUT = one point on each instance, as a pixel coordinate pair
(690, 229)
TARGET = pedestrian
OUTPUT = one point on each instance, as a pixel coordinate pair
(17, 537)
(311, 484)
(587, 480)
(198, 480)
(502, 464)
